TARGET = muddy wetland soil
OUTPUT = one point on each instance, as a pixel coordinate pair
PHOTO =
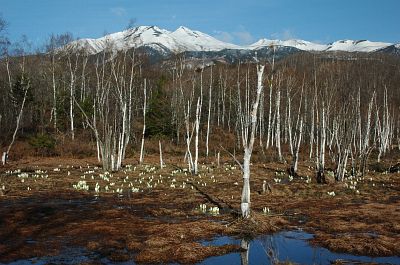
(145, 214)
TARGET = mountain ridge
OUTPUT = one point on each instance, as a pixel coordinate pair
(184, 39)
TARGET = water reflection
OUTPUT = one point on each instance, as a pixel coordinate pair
(244, 254)
(288, 246)
(270, 249)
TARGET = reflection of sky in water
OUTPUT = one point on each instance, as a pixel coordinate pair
(288, 246)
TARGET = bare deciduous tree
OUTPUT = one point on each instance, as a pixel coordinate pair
(248, 122)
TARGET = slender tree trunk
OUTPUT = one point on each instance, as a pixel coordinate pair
(209, 112)
(161, 158)
(19, 117)
(293, 170)
(321, 165)
(144, 123)
(8, 73)
(245, 203)
(197, 125)
(248, 143)
(54, 110)
(278, 124)
(188, 154)
(72, 71)
(270, 120)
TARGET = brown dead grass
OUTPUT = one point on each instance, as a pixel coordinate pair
(162, 224)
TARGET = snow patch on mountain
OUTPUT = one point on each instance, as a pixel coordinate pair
(198, 41)
(299, 44)
(357, 46)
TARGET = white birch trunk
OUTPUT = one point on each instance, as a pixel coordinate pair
(270, 120)
(296, 151)
(248, 143)
(188, 154)
(278, 124)
(321, 164)
(54, 110)
(72, 71)
(4, 158)
(209, 112)
(197, 125)
(144, 125)
(161, 158)
(19, 117)
(245, 203)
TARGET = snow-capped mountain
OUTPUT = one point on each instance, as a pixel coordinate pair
(391, 49)
(186, 40)
(151, 36)
(181, 40)
(357, 46)
(198, 41)
(342, 45)
(298, 44)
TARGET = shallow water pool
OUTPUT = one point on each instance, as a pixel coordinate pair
(285, 246)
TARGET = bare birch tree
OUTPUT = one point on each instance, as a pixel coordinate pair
(26, 84)
(112, 118)
(248, 123)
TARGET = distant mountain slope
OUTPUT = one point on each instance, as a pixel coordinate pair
(198, 41)
(356, 46)
(161, 43)
(181, 40)
(298, 44)
(391, 49)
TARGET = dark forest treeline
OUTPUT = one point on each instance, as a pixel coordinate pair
(344, 106)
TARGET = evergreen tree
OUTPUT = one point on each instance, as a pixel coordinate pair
(158, 117)
(17, 93)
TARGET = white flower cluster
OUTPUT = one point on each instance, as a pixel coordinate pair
(308, 179)
(106, 176)
(214, 210)
(266, 210)
(97, 188)
(352, 186)
(23, 175)
(149, 169)
(228, 168)
(40, 176)
(81, 185)
(174, 172)
(331, 193)
(130, 168)
(203, 207)
(9, 172)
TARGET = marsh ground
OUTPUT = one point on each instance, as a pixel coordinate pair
(152, 215)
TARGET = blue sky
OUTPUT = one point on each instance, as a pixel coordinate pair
(240, 22)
